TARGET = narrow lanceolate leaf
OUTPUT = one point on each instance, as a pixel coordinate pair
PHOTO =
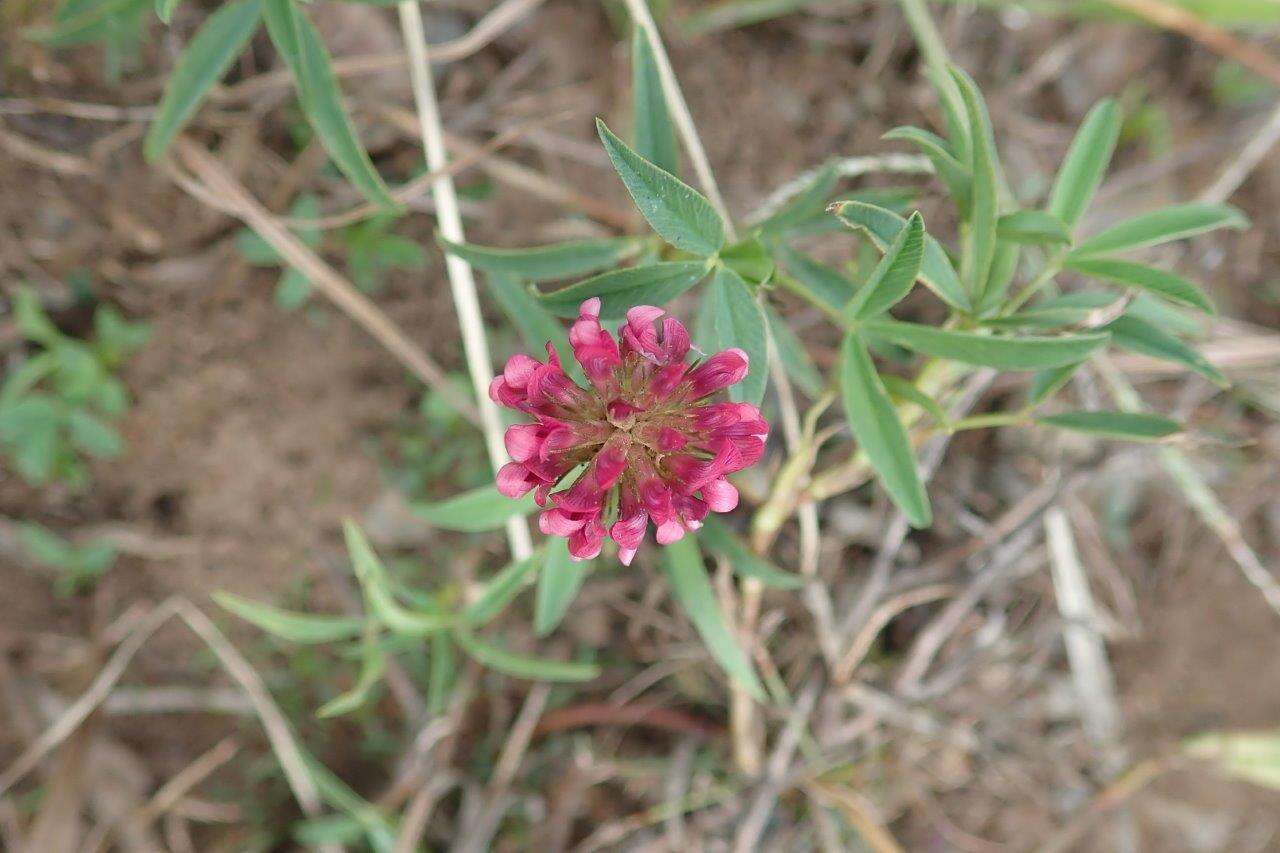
(738, 321)
(692, 591)
(1139, 336)
(716, 536)
(202, 63)
(813, 280)
(655, 137)
(675, 210)
(1131, 426)
(1002, 353)
(287, 625)
(980, 235)
(808, 203)
(655, 284)
(547, 263)
(1033, 228)
(954, 174)
(1161, 226)
(558, 586)
(164, 9)
(1047, 382)
(1171, 286)
(500, 590)
(1086, 163)
(373, 662)
(906, 391)
(879, 432)
(893, 277)
(521, 666)
(537, 325)
(795, 359)
(304, 52)
(382, 605)
(480, 509)
(883, 226)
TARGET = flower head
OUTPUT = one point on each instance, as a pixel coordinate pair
(651, 444)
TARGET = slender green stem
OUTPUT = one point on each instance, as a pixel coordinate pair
(1052, 267)
(986, 421)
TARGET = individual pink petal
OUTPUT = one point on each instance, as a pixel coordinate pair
(523, 440)
(675, 339)
(557, 522)
(585, 543)
(720, 495)
(626, 555)
(720, 371)
(515, 480)
(670, 531)
(628, 532)
(590, 307)
(519, 369)
(671, 440)
(667, 379)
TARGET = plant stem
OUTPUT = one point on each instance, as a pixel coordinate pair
(461, 279)
(1052, 267)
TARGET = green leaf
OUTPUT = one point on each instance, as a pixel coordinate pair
(1033, 228)
(1136, 335)
(1046, 382)
(815, 281)
(954, 174)
(619, 290)
(810, 202)
(1132, 426)
(203, 62)
(738, 321)
(879, 431)
(692, 591)
(893, 277)
(1161, 226)
(750, 259)
(46, 547)
(373, 662)
(1171, 286)
(381, 603)
(287, 625)
(883, 226)
(538, 669)
(484, 508)
(92, 435)
(1252, 756)
(303, 51)
(717, 537)
(980, 234)
(537, 325)
(558, 586)
(164, 9)
(906, 391)
(546, 263)
(500, 590)
(795, 360)
(1085, 164)
(1003, 353)
(655, 137)
(679, 214)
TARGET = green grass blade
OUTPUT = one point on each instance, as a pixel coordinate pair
(202, 63)
(521, 666)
